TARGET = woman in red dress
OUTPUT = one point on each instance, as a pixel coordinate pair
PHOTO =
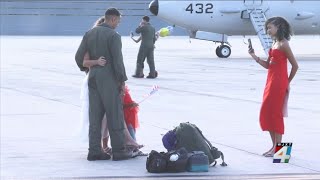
(271, 113)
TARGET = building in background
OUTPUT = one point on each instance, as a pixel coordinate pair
(70, 17)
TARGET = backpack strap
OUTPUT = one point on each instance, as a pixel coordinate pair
(212, 148)
(213, 164)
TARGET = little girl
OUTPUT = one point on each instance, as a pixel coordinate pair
(278, 82)
(130, 109)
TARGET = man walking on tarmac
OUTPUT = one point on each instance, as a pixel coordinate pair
(146, 50)
(106, 86)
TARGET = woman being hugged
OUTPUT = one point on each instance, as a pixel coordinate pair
(278, 82)
(130, 142)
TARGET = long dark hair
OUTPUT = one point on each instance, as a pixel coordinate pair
(284, 28)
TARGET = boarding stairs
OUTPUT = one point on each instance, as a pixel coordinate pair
(258, 20)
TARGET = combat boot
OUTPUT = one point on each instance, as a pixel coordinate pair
(153, 75)
(138, 75)
(101, 156)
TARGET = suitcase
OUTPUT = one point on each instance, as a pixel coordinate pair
(198, 162)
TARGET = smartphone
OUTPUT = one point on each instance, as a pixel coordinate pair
(250, 44)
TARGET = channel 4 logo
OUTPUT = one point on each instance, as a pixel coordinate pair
(282, 153)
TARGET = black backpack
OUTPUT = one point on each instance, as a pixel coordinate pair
(189, 136)
(156, 162)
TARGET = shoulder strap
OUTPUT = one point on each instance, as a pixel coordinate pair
(212, 148)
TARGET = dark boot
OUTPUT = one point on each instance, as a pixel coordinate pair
(138, 75)
(101, 156)
(153, 75)
(139, 72)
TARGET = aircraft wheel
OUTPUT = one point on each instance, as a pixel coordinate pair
(218, 51)
(223, 51)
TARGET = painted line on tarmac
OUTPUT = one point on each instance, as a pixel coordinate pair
(205, 177)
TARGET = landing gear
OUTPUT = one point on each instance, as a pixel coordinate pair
(223, 51)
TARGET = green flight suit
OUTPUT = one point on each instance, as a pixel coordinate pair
(104, 84)
(146, 49)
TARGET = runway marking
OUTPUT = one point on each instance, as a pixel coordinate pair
(205, 177)
(32, 114)
(43, 97)
(220, 97)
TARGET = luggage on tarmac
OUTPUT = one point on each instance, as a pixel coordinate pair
(190, 137)
(169, 140)
(198, 162)
(156, 162)
(172, 161)
(177, 160)
(191, 151)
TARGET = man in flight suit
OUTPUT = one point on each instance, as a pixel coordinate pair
(146, 50)
(106, 86)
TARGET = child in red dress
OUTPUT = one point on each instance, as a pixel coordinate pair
(130, 110)
(277, 85)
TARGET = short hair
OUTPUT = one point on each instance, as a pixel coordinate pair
(146, 18)
(112, 12)
(284, 28)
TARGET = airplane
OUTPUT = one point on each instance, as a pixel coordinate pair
(215, 20)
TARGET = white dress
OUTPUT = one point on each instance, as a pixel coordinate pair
(84, 121)
(285, 105)
(84, 124)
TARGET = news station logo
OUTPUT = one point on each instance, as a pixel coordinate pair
(282, 153)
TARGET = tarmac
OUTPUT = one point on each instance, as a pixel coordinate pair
(40, 109)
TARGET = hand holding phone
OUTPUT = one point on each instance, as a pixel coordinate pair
(250, 44)
(251, 50)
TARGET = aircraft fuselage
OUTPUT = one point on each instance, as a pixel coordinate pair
(231, 17)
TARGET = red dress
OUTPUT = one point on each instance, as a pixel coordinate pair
(271, 115)
(130, 113)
